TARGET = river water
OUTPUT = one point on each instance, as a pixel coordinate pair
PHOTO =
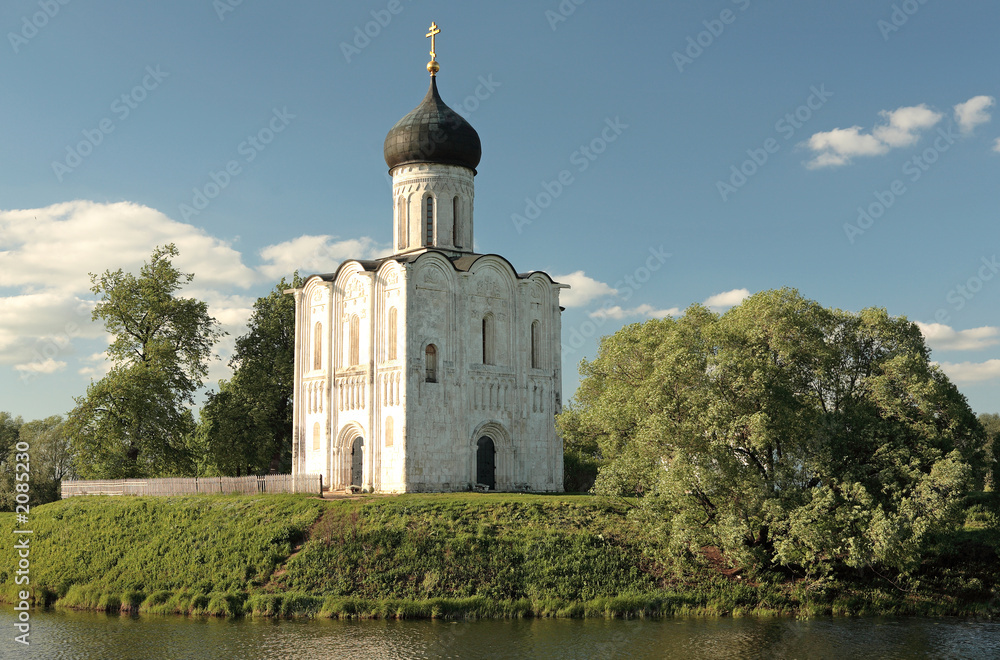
(82, 635)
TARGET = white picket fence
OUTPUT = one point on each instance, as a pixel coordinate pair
(252, 485)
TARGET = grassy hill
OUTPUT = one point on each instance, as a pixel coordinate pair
(436, 555)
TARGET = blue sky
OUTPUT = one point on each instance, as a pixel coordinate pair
(651, 154)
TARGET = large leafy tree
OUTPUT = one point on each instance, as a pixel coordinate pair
(991, 423)
(782, 432)
(50, 462)
(136, 421)
(246, 427)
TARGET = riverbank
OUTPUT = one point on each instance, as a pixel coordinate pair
(443, 556)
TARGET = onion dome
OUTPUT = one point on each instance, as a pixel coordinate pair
(433, 133)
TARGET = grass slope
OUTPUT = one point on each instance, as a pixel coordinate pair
(88, 549)
(439, 555)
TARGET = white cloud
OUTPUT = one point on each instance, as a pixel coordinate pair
(48, 253)
(973, 112)
(617, 312)
(315, 254)
(720, 302)
(903, 124)
(996, 146)
(36, 327)
(836, 147)
(971, 372)
(582, 289)
(945, 338)
(231, 311)
(901, 128)
(54, 248)
(48, 366)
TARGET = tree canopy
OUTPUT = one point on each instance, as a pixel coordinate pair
(246, 426)
(781, 431)
(136, 421)
(10, 426)
(50, 461)
(991, 423)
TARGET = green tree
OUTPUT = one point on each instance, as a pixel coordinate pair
(10, 427)
(991, 448)
(50, 462)
(10, 432)
(136, 421)
(246, 427)
(782, 432)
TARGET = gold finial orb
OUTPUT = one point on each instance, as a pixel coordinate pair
(433, 66)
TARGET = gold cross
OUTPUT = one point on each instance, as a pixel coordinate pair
(435, 30)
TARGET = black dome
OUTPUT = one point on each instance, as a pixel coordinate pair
(433, 133)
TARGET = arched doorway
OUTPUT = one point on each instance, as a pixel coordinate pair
(486, 462)
(357, 461)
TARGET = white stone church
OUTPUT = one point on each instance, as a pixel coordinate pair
(435, 368)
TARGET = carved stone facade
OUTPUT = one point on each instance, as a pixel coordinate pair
(436, 368)
(420, 394)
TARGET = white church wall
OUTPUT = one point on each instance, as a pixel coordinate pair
(352, 387)
(390, 381)
(414, 183)
(508, 397)
(494, 401)
(432, 446)
(433, 398)
(313, 343)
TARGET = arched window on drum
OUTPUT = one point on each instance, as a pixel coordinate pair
(430, 363)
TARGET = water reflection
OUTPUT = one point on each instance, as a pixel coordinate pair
(64, 635)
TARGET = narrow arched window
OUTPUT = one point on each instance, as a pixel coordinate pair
(318, 346)
(488, 340)
(392, 340)
(430, 222)
(355, 340)
(316, 436)
(401, 222)
(454, 225)
(431, 360)
(536, 358)
(388, 432)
